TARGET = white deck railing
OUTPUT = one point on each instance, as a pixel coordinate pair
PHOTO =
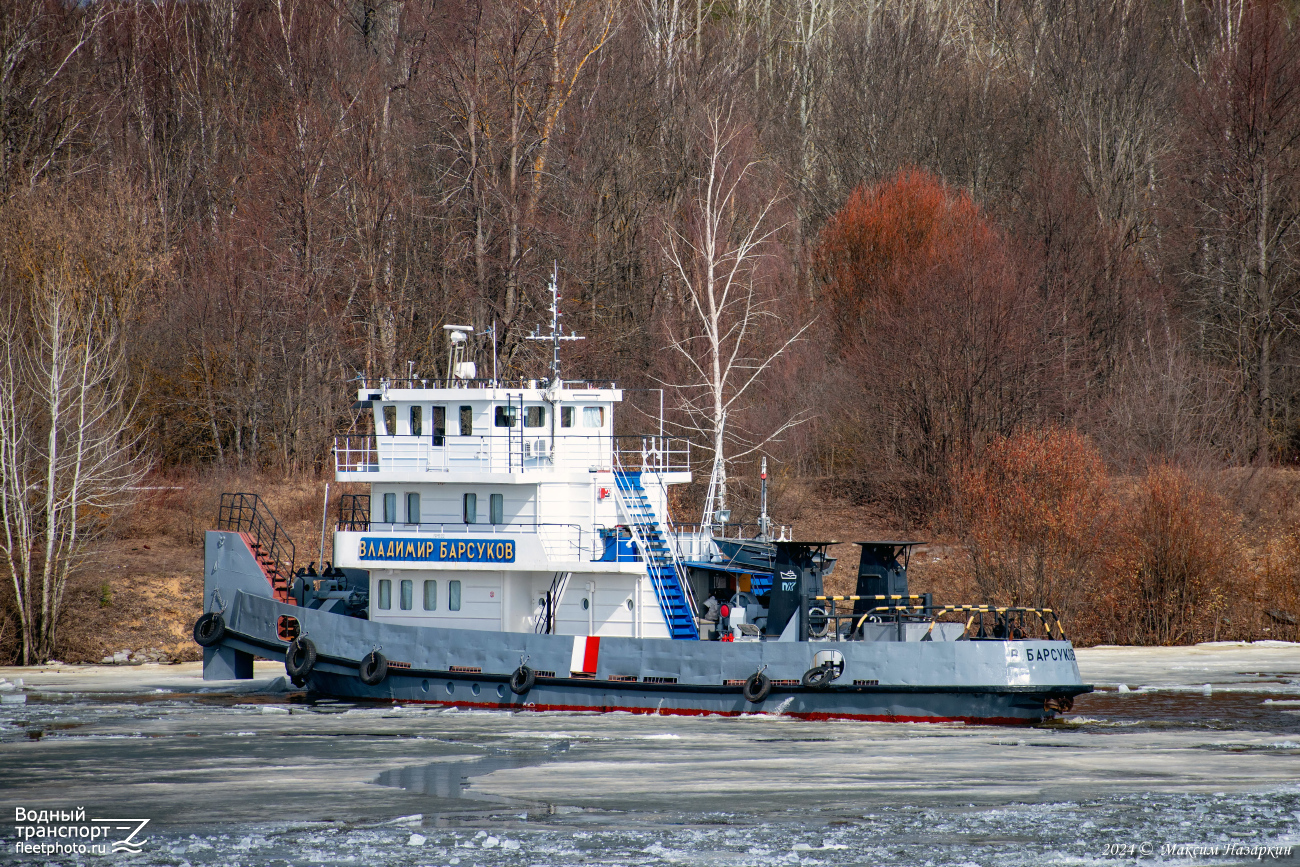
(508, 453)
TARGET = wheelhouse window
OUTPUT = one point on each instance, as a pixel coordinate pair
(390, 420)
(469, 510)
(417, 421)
(453, 595)
(593, 416)
(496, 508)
(506, 416)
(467, 421)
(385, 594)
(439, 419)
(430, 595)
(390, 509)
(413, 508)
(566, 416)
(535, 416)
(408, 589)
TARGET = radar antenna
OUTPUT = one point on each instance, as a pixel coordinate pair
(557, 332)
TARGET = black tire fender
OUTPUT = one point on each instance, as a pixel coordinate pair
(819, 677)
(522, 680)
(757, 687)
(209, 629)
(373, 668)
(300, 658)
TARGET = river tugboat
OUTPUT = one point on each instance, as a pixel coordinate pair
(512, 552)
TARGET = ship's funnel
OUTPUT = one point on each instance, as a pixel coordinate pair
(882, 571)
(797, 573)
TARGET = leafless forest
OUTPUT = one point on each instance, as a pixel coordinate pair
(971, 245)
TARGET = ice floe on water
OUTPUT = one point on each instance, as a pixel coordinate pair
(1163, 773)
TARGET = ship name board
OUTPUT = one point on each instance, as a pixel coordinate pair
(437, 550)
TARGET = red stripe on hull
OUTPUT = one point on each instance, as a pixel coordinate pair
(652, 711)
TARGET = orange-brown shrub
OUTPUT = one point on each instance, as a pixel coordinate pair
(1033, 516)
(1177, 559)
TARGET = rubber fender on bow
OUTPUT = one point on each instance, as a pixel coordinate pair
(300, 658)
(209, 629)
(819, 676)
(522, 680)
(373, 668)
(757, 687)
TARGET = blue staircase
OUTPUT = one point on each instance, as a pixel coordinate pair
(659, 560)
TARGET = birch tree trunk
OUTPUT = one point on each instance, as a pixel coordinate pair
(68, 449)
(714, 250)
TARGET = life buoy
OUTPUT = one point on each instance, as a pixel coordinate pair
(819, 676)
(209, 629)
(522, 680)
(300, 658)
(757, 687)
(373, 668)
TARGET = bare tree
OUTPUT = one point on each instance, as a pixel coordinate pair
(1242, 186)
(715, 249)
(68, 455)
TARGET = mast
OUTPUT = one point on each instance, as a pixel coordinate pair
(557, 331)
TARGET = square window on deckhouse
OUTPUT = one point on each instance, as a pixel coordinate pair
(566, 416)
(417, 421)
(593, 416)
(535, 416)
(390, 420)
(506, 416)
(466, 421)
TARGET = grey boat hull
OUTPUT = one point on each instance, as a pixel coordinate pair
(982, 681)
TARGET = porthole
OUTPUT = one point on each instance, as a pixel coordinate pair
(629, 605)
(451, 687)
(424, 686)
(501, 690)
(474, 689)
(586, 603)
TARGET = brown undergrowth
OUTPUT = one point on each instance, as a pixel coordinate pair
(1176, 558)
(143, 591)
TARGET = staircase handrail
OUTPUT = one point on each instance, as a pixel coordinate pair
(248, 513)
(639, 541)
(656, 580)
(666, 523)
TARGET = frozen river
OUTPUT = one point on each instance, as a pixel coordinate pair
(1180, 747)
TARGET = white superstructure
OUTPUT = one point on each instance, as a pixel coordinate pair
(486, 498)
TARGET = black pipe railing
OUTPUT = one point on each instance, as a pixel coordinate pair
(984, 622)
(247, 513)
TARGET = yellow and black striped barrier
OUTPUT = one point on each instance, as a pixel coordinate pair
(1046, 616)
